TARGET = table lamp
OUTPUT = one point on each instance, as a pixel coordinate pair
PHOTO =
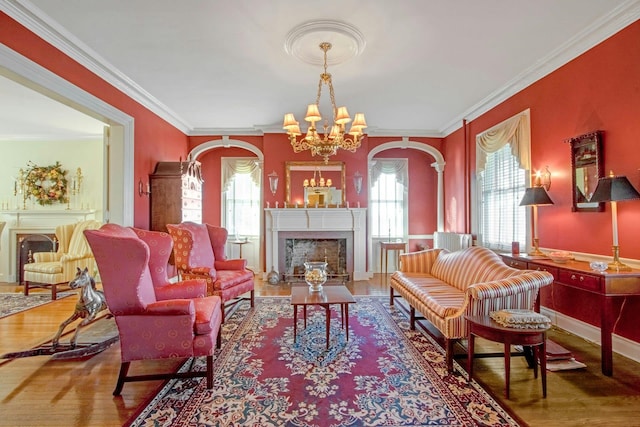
(615, 189)
(534, 197)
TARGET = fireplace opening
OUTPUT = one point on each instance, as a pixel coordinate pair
(301, 250)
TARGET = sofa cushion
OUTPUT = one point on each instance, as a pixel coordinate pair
(229, 278)
(472, 265)
(441, 298)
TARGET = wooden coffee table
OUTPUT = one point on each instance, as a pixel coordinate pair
(330, 294)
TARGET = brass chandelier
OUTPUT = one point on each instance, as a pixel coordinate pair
(327, 144)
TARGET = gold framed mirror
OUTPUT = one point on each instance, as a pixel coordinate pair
(303, 184)
(587, 167)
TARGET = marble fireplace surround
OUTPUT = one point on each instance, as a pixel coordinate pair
(322, 223)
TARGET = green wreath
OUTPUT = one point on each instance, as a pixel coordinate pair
(47, 184)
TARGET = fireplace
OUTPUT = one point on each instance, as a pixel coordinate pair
(317, 229)
(38, 222)
(299, 249)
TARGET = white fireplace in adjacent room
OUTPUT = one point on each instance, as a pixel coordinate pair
(321, 223)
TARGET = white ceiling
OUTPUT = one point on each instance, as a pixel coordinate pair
(221, 67)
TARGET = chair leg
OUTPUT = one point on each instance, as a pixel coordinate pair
(222, 310)
(124, 368)
(54, 292)
(210, 372)
(219, 337)
(26, 288)
(252, 298)
(390, 295)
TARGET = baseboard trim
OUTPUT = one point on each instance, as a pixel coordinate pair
(621, 345)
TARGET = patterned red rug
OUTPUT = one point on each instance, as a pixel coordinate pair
(385, 375)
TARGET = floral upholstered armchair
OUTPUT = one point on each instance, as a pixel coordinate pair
(150, 327)
(51, 269)
(198, 250)
(161, 246)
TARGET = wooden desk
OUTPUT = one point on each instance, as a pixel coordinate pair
(487, 328)
(385, 247)
(608, 287)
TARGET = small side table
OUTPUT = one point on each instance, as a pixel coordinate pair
(385, 247)
(485, 327)
(240, 243)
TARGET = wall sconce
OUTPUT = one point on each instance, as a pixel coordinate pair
(615, 189)
(357, 182)
(543, 179)
(273, 182)
(534, 197)
(141, 189)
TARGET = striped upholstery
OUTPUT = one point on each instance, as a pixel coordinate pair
(51, 269)
(445, 287)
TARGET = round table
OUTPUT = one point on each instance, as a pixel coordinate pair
(485, 327)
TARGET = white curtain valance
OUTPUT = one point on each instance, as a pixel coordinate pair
(395, 166)
(232, 166)
(515, 131)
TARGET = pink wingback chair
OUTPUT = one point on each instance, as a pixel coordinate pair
(149, 327)
(198, 251)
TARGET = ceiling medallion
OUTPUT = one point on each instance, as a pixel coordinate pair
(302, 41)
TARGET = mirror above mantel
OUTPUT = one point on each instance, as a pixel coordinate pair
(301, 177)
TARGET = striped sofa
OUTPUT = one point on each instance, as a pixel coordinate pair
(445, 286)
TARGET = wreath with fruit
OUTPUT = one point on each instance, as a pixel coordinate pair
(47, 184)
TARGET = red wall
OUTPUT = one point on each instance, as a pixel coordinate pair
(155, 139)
(599, 90)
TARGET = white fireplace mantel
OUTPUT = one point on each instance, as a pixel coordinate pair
(318, 220)
(32, 221)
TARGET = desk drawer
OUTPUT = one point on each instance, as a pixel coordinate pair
(514, 263)
(579, 280)
(542, 267)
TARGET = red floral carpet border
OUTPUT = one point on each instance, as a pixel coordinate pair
(385, 375)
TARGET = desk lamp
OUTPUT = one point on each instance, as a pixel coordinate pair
(615, 189)
(534, 197)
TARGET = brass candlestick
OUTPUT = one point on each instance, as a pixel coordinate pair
(616, 264)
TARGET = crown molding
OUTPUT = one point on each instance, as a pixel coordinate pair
(617, 19)
(27, 14)
(36, 21)
(226, 131)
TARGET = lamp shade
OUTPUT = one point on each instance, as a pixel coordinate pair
(614, 189)
(535, 196)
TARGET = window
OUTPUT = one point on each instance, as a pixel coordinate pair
(241, 196)
(501, 186)
(388, 198)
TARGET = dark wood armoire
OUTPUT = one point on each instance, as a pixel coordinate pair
(176, 194)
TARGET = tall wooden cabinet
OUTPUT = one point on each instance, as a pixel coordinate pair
(176, 194)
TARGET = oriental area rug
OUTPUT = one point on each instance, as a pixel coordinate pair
(384, 375)
(11, 303)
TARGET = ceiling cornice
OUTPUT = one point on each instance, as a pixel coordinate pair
(36, 21)
(40, 24)
(620, 17)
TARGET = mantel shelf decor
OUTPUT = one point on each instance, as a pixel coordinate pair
(46, 184)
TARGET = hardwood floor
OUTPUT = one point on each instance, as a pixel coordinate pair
(37, 391)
